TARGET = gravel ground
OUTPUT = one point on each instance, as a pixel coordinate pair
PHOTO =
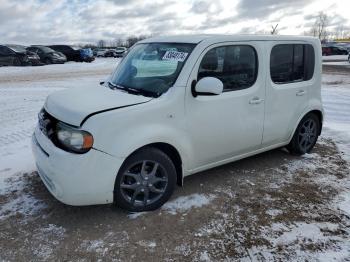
(270, 207)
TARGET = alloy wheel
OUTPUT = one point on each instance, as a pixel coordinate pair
(144, 183)
(307, 135)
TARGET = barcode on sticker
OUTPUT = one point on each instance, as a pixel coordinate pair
(175, 56)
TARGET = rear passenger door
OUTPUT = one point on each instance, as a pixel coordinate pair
(291, 69)
(229, 124)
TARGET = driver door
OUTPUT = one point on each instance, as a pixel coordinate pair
(230, 124)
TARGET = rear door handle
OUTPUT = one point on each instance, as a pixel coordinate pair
(256, 101)
(300, 93)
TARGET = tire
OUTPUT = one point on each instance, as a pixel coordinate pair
(16, 61)
(48, 61)
(305, 136)
(145, 181)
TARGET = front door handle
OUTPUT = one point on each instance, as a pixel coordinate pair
(256, 101)
(300, 93)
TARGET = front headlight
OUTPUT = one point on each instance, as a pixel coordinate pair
(73, 139)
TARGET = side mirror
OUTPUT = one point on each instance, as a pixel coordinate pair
(207, 86)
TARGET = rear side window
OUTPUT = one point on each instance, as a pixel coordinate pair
(292, 63)
(236, 66)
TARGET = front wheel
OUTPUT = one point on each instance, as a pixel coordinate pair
(305, 136)
(145, 181)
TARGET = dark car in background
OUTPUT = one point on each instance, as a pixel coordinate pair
(48, 55)
(74, 53)
(110, 53)
(17, 55)
(120, 51)
(333, 50)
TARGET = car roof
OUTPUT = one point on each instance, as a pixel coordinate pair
(195, 39)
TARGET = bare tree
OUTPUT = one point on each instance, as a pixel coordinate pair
(274, 30)
(101, 43)
(319, 29)
(131, 40)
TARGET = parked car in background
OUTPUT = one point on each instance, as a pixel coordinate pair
(87, 55)
(110, 53)
(17, 55)
(74, 53)
(48, 55)
(120, 51)
(174, 107)
(101, 52)
(333, 50)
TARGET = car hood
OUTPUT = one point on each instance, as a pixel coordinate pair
(75, 105)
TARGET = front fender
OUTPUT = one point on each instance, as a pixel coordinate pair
(131, 140)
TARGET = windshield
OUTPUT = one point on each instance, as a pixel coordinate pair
(18, 48)
(152, 67)
(46, 49)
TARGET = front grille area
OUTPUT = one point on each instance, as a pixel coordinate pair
(47, 124)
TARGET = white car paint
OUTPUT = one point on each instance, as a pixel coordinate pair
(207, 131)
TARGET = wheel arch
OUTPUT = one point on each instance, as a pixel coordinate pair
(317, 112)
(172, 152)
(319, 115)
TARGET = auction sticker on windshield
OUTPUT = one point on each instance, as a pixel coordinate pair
(175, 56)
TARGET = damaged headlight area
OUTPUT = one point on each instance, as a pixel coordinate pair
(72, 139)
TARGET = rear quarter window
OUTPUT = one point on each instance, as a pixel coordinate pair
(292, 63)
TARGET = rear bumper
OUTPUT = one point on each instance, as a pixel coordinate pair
(75, 179)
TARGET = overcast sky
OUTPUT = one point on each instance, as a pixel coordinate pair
(86, 21)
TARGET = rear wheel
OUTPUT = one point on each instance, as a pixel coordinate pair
(305, 136)
(145, 181)
(48, 61)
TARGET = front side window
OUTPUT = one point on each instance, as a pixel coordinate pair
(152, 67)
(292, 63)
(236, 66)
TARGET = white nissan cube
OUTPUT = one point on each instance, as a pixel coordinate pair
(176, 106)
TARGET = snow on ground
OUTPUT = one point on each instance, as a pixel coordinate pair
(336, 100)
(341, 63)
(335, 58)
(11, 73)
(185, 203)
(21, 101)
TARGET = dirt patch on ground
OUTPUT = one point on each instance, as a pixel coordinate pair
(273, 206)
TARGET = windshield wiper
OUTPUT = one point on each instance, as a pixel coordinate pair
(131, 90)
